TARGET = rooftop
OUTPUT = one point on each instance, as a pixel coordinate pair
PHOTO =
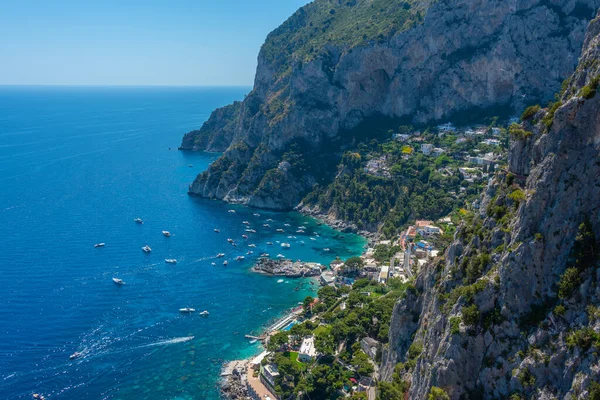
(308, 347)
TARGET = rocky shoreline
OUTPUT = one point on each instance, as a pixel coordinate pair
(233, 384)
(287, 268)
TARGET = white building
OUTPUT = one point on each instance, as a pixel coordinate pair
(492, 142)
(496, 131)
(384, 273)
(307, 350)
(369, 346)
(446, 127)
(269, 373)
(401, 137)
(429, 230)
(437, 151)
(426, 148)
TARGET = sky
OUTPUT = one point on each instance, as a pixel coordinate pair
(135, 42)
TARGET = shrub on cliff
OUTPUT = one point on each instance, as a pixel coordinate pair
(530, 112)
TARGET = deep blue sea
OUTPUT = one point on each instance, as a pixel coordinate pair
(77, 165)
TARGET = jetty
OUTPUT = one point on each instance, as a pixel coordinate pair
(261, 338)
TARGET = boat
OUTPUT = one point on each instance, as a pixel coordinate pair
(297, 288)
(269, 220)
(231, 211)
(225, 262)
(256, 214)
(253, 341)
(312, 238)
(266, 225)
(146, 249)
(217, 230)
(239, 258)
(285, 245)
(138, 221)
(118, 281)
(204, 313)
(187, 310)
(280, 230)
(251, 230)
(249, 252)
(230, 240)
(99, 245)
(270, 243)
(38, 396)
(245, 222)
(245, 236)
(301, 227)
(280, 256)
(213, 264)
(220, 255)
(264, 255)
(75, 355)
(286, 225)
(279, 280)
(170, 261)
(166, 233)
(234, 245)
(326, 249)
(299, 231)
(251, 245)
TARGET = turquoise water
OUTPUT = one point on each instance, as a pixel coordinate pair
(77, 165)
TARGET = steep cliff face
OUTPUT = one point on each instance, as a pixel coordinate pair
(336, 65)
(512, 308)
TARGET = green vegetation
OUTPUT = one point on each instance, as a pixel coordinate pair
(470, 315)
(548, 119)
(583, 255)
(583, 338)
(455, 325)
(518, 133)
(438, 394)
(526, 378)
(307, 33)
(589, 91)
(530, 112)
(337, 338)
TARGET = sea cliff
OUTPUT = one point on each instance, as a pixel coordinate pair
(334, 71)
(511, 311)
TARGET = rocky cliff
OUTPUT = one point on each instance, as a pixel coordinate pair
(512, 309)
(335, 67)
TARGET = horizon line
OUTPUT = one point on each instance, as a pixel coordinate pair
(121, 85)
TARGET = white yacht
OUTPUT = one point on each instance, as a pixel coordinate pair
(280, 230)
(251, 245)
(231, 211)
(166, 233)
(217, 230)
(256, 214)
(285, 245)
(280, 256)
(118, 281)
(225, 262)
(146, 249)
(230, 240)
(99, 245)
(138, 221)
(239, 258)
(220, 255)
(187, 310)
(170, 261)
(204, 313)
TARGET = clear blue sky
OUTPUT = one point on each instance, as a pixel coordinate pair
(135, 42)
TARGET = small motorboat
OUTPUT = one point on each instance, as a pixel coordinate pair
(286, 225)
(138, 221)
(204, 313)
(170, 261)
(75, 355)
(266, 225)
(253, 341)
(166, 233)
(146, 249)
(187, 310)
(280, 230)
(213, 264)
(99, 245)
(217, 230)
(234, 245)
(38, 396)
(231, 211)
(245, 222)
(239, 258)
(251, 230)
(225, 262)
(220, 255)
(249, 252)
(230, 240)
(299, 231)
(118, 281)
(269, 220)
(280, 256)
(312, 238)
(301, 227)
(285, 245)
(270, 243)
(264, 255)
(245, 236)
(251, 245)
(326, 249)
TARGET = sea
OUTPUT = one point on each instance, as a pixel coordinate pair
(77, 166)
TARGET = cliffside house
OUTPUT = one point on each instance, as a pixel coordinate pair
(370, 346)
(268, 374)
(426, 148)
(307, 352)
(437, 151)
(384, 274)
(446, 128)
(327, 278)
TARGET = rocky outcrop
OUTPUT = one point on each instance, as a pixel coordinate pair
(319, 88)
(512, 309)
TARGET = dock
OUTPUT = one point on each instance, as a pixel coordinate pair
(261, 338)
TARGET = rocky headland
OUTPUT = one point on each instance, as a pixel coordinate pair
(287, 268)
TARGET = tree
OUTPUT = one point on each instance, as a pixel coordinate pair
(354, 263)
(328, 295)
(278, 340)
(306, 304)
(438, 394)
(324, 343)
